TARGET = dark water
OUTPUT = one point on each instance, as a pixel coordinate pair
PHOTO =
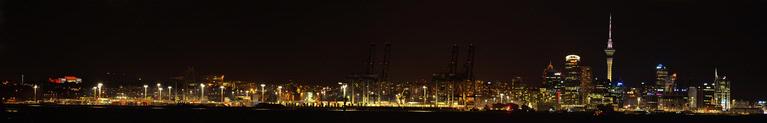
(111, 114)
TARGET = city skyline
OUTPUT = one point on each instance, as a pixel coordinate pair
(644, 41)
(382, 61)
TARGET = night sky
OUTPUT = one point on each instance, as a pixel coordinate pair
(321, 40)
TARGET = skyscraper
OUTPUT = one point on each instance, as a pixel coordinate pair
(586, 87)
(571, 96)
(708, 101)
(552, 79)
(663, 81)
(552, 82)
(610, 51)
(586, 80)
(692, 97)
(616, 94)
(669, 97)
(721, 91)
(649, 96)
(661, 87)
(572, 69)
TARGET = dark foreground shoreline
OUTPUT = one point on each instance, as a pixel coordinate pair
(184, 114)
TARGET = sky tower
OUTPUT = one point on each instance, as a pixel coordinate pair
(610, 51)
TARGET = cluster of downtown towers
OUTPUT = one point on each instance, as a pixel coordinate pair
(572, 88)
(575, 88)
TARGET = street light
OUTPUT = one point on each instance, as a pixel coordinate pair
(501, 98)
(99, 85)
(639, 102)
(202, 91)
(94, 92)
(35, 96)
(343, 87)
(279, 93)
(145, 90)
(251, 96)
(222, 93)
(262, 92)
(424, 94)
(247, 93)
(170, 94)
(159, 91)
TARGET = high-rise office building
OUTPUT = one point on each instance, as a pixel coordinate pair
(668, 96)
(692, 97)
(552, 79)
(616, 94)
(570, 96)
(722, 91)
(586, 80)
(663, 81)
(598, 95)
(586, 89)
(708, 101)
(553, 85)
(632, 98)
(649, 97)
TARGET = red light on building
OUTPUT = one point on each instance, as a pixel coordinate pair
(57, 81)
(68, 79)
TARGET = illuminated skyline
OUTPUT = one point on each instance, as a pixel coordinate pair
(285, 41)
(362, 61)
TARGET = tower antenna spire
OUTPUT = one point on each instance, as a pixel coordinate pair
(610, 33)
(549, 62)
(716, 74)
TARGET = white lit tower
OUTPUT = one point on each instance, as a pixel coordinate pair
(610, 51)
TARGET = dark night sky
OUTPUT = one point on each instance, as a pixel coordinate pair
(319, 40)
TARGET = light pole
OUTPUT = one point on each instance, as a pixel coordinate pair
(35, 93)
(159, 93)
(170, 93)
(94, 92)
(159, 90)
(222, 93)
(639, 102)
(202, 92)
(145, 90)
(343, 87)
(279, 94)
(262, 92)
(424, 94)
(501, 98)
(251, 96)
(99, 86)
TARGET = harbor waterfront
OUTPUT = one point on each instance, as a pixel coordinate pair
(57, 113)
